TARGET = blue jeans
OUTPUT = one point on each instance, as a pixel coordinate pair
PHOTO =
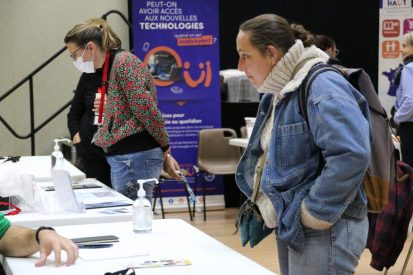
(129, 168)
(328, 252)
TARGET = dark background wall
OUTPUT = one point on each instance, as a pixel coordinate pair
(353, 24)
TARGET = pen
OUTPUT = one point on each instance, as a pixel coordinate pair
(188, 187)
(95, 245)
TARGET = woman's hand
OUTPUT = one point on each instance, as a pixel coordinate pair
(171, 166)
(96, 103)
(76, 138)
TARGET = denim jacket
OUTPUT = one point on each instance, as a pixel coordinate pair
(322, 163)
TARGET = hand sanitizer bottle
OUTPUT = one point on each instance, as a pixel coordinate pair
(57, 156)
(142, 212)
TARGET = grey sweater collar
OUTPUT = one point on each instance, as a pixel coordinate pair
(279, 82)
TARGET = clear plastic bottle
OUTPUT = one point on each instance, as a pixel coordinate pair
(57, 156)
(142, 215)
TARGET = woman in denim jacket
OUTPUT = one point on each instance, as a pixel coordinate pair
(312, 176)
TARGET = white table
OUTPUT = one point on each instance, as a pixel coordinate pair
(241, 142)
(99, 215)
(169, 239)
(39, 167)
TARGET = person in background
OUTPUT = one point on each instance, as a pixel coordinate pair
(312, 172)
(132, 133)
(327, 44)
(17, 241)
(80, 120)
(403, 116)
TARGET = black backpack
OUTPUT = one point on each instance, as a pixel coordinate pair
(381, 171)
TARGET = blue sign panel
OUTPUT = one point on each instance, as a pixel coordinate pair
(178, 40)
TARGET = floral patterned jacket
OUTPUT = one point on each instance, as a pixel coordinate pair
(132, 103)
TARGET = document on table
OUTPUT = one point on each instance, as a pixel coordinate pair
(98, 198)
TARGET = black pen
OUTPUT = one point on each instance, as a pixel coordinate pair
(95, 245)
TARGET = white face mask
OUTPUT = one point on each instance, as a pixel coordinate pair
(85, 67)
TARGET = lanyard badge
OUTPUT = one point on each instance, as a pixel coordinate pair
(102, 92)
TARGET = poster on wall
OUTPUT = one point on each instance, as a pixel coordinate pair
(178, 40)
(396, 19)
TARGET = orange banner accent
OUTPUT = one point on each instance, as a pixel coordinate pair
(196, 41)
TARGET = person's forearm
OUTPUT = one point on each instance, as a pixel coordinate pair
(404, 113)
(18, 242)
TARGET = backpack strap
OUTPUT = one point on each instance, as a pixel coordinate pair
(304, 88)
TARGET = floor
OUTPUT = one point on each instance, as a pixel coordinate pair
(220, 225)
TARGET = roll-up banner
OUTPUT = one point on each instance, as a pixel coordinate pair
(396, 19)
(179, 42)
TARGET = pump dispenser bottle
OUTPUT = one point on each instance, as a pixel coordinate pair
(57, 156)
(142, 215)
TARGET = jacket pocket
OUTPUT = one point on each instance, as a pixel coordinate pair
(293, 144)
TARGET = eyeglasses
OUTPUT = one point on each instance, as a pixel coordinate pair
(73, 55)
(337, 51)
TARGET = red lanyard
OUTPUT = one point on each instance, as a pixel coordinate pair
(102, 89)
(13, 212)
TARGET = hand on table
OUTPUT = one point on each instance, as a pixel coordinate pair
(50, 241)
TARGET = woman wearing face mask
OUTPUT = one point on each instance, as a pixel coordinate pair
(80, 119)
(404, 101)
(131, 130)
(310, 173)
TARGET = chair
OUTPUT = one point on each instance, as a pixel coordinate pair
(158, 192)
(215, 156)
